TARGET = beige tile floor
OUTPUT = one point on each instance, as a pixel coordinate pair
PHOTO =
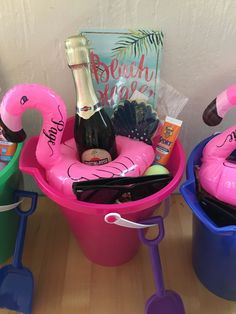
(67, 282)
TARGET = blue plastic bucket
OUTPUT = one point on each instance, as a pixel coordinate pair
(213, 247)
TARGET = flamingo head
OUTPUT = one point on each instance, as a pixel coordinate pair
(216, 110)
(10, 118)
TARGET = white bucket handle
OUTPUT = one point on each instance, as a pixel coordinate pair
(115, 218)
(4, 208)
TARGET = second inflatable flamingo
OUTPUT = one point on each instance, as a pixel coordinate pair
(59, 159)
(217, 174)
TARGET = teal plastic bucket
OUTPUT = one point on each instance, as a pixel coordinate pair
(9, 181)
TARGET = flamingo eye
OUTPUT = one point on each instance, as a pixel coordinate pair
(23, 100)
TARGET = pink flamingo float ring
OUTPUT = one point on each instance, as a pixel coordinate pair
(217, 174)
(59, 159)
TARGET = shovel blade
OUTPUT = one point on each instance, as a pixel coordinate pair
(16, 289)
(170, 303)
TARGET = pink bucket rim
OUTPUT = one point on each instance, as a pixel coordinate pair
(92, 208)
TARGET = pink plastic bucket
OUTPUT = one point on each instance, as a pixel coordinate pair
(104, 244)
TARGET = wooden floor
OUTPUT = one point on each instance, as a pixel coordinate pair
(67, 283)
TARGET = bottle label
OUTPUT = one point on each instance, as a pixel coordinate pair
(96, 157)
(86, 112)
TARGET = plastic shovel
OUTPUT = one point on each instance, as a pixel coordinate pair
(16, 281)
(163, 301)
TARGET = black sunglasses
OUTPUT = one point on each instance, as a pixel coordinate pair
(218, 212)
(108, 191)
(222, 214)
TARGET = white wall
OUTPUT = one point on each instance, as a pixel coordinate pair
(199, 57)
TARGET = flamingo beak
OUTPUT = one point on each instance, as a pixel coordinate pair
(210, 115)
(11, 136)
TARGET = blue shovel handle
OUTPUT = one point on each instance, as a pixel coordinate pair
(26, 194)
(17, 258)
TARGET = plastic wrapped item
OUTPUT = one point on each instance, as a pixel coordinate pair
(170, 104)
(125, 61)
(170, 101)
(135, 120)
(125, 66)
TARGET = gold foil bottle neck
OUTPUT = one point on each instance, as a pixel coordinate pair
(77, 50)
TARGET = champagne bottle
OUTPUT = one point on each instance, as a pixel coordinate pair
(93, 130)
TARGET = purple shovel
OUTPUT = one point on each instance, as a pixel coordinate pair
(163, 301)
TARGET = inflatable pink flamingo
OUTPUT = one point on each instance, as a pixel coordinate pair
(217, 174)
(59, 159)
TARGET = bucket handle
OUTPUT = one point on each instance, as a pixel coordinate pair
(115, 218)
(4, 208)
